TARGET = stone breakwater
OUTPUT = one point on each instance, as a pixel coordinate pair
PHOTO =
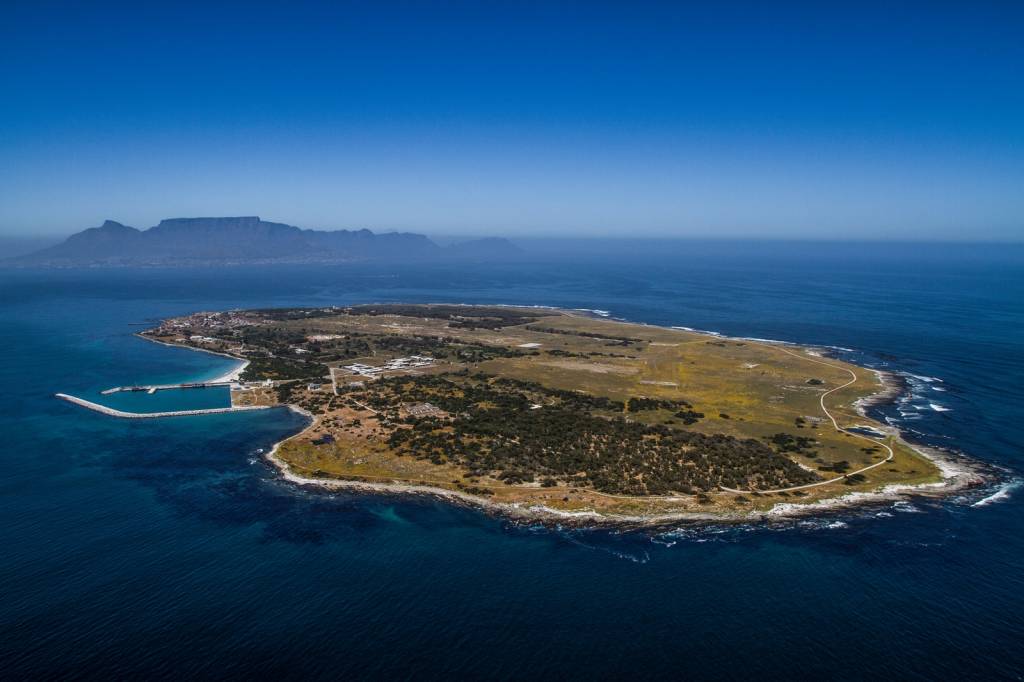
(103, 409)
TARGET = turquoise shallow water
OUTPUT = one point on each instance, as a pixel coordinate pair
(167, 401)
(167, 548)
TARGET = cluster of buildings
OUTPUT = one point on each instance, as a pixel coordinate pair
(424, 410)
(227, 320)
(249, 385)
(410, 362)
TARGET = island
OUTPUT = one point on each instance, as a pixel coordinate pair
(560, 414)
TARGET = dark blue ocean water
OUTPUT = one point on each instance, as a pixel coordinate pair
(167, 548)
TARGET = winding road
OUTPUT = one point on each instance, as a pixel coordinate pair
(835, 425)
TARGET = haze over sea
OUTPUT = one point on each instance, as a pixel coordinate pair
(169, 548)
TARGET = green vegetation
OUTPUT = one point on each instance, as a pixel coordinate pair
(621, 340)
(280, 368)
(496, 433)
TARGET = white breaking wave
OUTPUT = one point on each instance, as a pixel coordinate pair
(1001, 495)
(929, 380)
(913, 402)
(697, 331)
(760, 340)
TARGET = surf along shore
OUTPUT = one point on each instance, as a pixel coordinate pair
(955, 472)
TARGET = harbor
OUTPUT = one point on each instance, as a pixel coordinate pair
(113, 412)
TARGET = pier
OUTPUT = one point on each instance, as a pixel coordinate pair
(165, 387)
(103, 409)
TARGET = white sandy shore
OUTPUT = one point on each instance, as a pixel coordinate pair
(234, 375)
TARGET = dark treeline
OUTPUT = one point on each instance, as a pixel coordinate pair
(623, 340)
(458, 317)
(281, 369)
(497, 430)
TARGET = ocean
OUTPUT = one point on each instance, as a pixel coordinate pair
(169, 548)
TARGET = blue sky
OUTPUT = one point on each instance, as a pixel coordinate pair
(819, 120)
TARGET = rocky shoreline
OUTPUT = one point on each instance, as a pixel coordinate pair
(959, 473)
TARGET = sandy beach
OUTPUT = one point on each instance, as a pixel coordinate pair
(233, 375)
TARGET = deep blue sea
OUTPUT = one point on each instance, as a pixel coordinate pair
(169, 549)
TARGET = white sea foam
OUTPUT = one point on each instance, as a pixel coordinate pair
(1004, 493)
(914, 402)
(821, 524)
(561, 512)
(760, 340)
(697, 331)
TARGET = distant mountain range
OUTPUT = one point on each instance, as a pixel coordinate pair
(247, 240)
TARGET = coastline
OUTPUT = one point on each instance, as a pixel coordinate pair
(228, 377)
(957, 475)
(233, 375)
(959, 478)
(957, 471)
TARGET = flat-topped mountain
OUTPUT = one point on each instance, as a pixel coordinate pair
(247, 239)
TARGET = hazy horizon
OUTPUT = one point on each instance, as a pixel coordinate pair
(522, 121)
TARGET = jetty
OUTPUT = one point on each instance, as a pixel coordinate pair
(103, 409)
(165, 387)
